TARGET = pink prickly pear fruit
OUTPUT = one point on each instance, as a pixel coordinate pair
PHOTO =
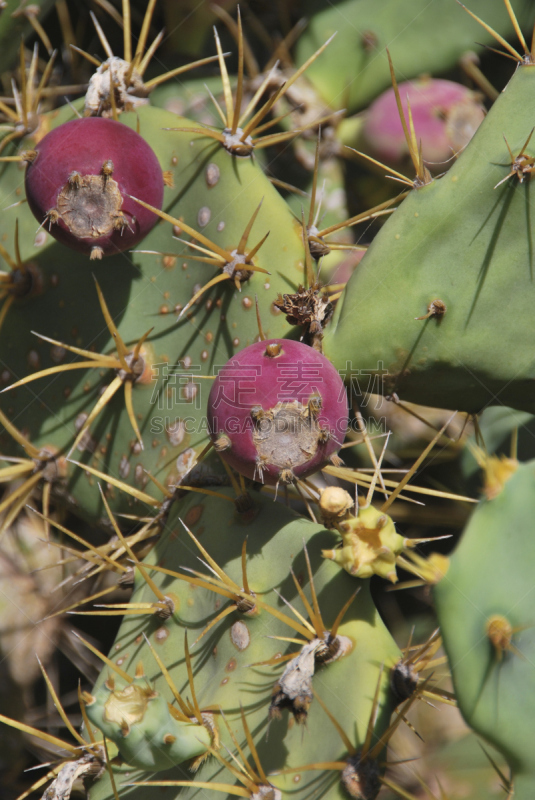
(78, 185)
(278, 411)
(446, 115)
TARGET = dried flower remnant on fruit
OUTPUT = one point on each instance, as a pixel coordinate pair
(286, 436)
(264, 427)
(90, 209)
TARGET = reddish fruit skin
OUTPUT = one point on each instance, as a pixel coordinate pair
(82, 146)
(252, 378)
(446, 115)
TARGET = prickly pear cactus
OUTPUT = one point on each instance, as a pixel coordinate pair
(426, 305)
(242, 658)
(491, 654)
(223, 386)
(434, 38)
(146, 292)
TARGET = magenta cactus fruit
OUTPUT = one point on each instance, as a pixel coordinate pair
(78, 185)
(278, 411)
(446, 115)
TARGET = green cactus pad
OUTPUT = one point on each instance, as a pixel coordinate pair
(490, 583)
(422, 38)
(221, 661)
(463, 242)
(136, 718)
(216, 194)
